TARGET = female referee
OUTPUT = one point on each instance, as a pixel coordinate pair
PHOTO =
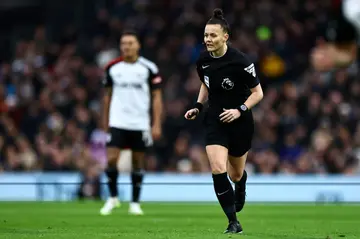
(230, 85)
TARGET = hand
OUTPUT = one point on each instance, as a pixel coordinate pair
(322, 59)
(156, 132)
(229, 115)
(191, 114)
(322, 56)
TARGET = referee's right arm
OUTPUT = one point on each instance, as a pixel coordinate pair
(202, 98)
(107, 84)
(203, 93)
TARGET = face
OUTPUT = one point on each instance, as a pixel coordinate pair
(129, 46)
(214, 37)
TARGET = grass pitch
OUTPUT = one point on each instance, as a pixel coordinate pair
(176, 221)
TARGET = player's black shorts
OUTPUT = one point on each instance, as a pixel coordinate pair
(235, 136)
(135, 140)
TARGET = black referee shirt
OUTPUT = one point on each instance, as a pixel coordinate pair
(228, 78)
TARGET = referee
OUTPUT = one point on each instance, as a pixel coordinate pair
(230, 85)
(132, 115)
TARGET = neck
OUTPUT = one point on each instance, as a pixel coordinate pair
(131, 58)
(220, 52)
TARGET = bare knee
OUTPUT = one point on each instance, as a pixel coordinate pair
(218, 167)
(236, 176)
(218, 156)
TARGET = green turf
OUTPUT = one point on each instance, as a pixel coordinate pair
(168, 221)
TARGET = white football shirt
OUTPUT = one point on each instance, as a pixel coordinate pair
(132, 85)
(351, 10)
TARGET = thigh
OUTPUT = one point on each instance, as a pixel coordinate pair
(218, 156)
(138, 160)
(139, 141)
(112, 154)
(240, 138)
(216, 134)
(118, 138)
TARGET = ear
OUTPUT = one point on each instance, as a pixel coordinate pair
(226, 37)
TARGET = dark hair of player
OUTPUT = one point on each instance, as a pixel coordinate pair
(131, 32)
(218, 18)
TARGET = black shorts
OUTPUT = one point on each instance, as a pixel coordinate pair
(135, 140)
(235, 136)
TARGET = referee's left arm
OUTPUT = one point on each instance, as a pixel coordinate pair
(254, 85)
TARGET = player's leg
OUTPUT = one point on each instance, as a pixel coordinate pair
(218, 156)
(239, 144)
(115, 142)
(217, 152)
(112, 177)
(140, 141)
(137, 176)
(237, 173)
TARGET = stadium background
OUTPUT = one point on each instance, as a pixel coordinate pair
(52, 54)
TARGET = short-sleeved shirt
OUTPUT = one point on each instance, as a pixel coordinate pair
(344, 25)
(132, 85)
(228, 78)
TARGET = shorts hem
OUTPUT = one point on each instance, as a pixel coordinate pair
(217, 143)
(239, 153)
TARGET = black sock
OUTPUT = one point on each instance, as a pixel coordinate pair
(241, 185)
(225, 195)
(112, 175)
(136, 180)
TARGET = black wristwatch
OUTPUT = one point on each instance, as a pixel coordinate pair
(243, 108)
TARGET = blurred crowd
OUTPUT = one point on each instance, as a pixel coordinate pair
(50, 101)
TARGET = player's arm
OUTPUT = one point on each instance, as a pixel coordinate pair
(202, 97)
(197, 108)
(255, 97)
(157, 107)
(253, 83)
(157, 103)
(203, 94)
(107, 84)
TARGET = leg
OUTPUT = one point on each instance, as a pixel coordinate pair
(117, 140)
(217, 152)
(111, 170)
(112, 177)
(139, 143)
(218, 158)
(239, 146)
(237, 173)
(137, 174)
